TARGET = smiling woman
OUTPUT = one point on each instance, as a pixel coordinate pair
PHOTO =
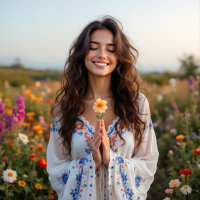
(113, 158)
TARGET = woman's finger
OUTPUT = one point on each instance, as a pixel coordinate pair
(96, 140)
(98, 144)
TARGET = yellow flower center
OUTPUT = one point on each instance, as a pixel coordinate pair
(10, 174)
(23, 137)
(185, 186)
(100, 105)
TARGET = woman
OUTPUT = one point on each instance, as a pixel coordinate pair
(113, 158)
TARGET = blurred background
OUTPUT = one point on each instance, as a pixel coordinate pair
(35, 37)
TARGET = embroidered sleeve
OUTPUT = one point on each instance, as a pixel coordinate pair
(71, 179)
(131, 178)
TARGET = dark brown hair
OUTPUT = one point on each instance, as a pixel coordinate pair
(125, 84)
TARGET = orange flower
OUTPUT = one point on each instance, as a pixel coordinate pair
(50, 125)
(22, 183)
(5, 159)
(30, 114)
(19, 151)
(28, 125)
(30, 118)
(51, 197)
(180, 137)
(41, 136)
(33, 156)
(14, 155)
(39, 131)
(47, 136)
(191, 142)
(31, 134)
(49, 101)
(8, 111)
(9, 104)
(6, 100)
(39, 147)
(23, 124)
(42, 162)
(38, 186)
(196, 151)
(9, 142)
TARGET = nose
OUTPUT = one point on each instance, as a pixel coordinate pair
(102, 53)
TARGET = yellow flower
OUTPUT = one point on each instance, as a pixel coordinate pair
(100, 106)
(30, 114)
(22, 183)
(180, 137)
(38, 186)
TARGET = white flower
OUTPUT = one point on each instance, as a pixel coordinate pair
(37, 84)
(182, 175)
(166, 198)
(159, 97)
(23, 138)
(198, 166)
(186, 189)
(9, 175)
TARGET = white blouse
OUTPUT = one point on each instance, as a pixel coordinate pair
(129, 175)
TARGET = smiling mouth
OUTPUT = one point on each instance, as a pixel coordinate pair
(100, 64)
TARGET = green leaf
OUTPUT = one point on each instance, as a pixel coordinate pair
(27, 189)
(2, 187)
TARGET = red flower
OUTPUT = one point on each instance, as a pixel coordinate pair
(34, 155)
(42, 162)
(186, 172)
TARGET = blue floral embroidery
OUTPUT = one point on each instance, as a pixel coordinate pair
(54, 127)
(129, 192)
(137, 180)
(149, 124)
(81, 173)
(64, 177)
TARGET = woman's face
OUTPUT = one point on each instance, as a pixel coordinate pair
(101, 59)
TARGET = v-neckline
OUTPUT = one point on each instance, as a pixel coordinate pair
(93, 129)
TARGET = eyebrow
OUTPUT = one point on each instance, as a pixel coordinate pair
(99, 43)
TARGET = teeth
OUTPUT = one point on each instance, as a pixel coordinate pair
(100, 63)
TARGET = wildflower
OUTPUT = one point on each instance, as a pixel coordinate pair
(180, 137)
(22, 183)
(8, 111)
(31, 134)
(30, 114)
(186, 172)
(9, 175)
(159, 98)
(23, 138)
(19, 151)
(51, 197)
(38, 186)
(31, 147)
(169, 191)
(30, 119)
(5, 159)
(191, 80)
(188, 115)
(186, 189)
(191, 142)
(198, 165)
(42, 163)
(33, 156)
(41, 136)
(47, 136)
(174, 183)
(9, 142)
(39, 147)
(173, 131)
(170, 152)
(193, 135)
(181, 115)
(25, 176)
(196, 151)
(100, 106)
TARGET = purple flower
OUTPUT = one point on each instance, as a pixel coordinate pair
(188, 114)
(2, 110)
(175, 141)
(160, 127)
(14, 110)
(167, 127)
(191, 90)
(193, 135)
(191, 80)
(169, 119)
(199, 86)
(175, 107)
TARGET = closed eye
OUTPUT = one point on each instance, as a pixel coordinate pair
(97, 48)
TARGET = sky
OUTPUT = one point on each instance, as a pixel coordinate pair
(40, 33)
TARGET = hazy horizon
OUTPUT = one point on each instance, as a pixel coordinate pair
(40, 33)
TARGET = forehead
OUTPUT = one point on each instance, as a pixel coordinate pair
(102, 36)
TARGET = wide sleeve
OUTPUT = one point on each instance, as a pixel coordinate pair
(71, 179)
(131, 178)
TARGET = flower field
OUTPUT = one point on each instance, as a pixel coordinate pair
(25, 124)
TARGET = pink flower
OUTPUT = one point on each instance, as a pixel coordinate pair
(170, 151)
(174, 183)
(169, 191)
(173, 131)
(181, 115)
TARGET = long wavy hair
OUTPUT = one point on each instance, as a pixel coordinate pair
(125, 83)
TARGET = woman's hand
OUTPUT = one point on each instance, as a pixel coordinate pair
(105, 145)
(95, 144)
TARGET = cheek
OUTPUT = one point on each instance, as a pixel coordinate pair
(89, 56)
